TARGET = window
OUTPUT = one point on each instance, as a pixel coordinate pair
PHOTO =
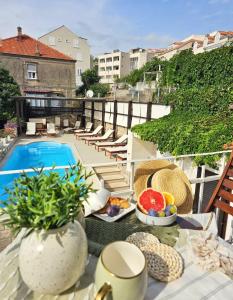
(102, 69)
(108, 68)
(115, 67)
(102, 60)
(67, 41)
(31, 71)
(79, 72)
(109, 59)
(75, 43)
(108, 76)
(52, 41)
(133, 63)
(116, 58)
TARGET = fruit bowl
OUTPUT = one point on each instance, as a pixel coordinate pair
(159, 221)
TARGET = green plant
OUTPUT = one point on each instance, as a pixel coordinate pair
(8, 89)
(100, 89)
(89, 77)
(47, 201)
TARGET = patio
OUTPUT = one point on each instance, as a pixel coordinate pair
(12, 285)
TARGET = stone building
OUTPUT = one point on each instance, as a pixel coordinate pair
(38, 69)
(71, 44)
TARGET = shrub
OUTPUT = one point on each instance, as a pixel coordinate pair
(8, 89)
(100, 89)
(47, 201)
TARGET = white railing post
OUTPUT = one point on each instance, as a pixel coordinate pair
(201, 191)
(131, 183)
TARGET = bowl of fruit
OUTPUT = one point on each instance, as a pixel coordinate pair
(156, 208)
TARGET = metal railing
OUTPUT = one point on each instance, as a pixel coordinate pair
(131, 165)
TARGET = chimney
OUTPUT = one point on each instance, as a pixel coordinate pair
(19, 32)
(37, 50)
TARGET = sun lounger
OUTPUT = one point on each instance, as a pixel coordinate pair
(66, 123)
(57, 122)
(87, 129)
(119, 142)
(121, 156)
(90, 134)
(31, 128)
(3, 148)
(51, 129)
(104, 137)
(115, 150)
(76, 127)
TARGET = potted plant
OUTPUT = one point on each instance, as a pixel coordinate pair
(53, 254)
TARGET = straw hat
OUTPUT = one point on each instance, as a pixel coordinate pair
(164, 176)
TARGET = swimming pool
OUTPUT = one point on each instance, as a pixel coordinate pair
(34, 155)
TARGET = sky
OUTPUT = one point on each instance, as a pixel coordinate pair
(118, 24)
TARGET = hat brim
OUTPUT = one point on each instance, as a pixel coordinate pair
(144, 171)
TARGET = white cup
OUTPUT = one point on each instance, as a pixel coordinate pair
(121, 273)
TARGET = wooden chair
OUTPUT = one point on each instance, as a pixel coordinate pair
(222, 196)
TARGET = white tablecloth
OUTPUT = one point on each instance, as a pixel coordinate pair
(195, 284)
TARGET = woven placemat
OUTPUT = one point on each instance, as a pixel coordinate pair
(101, 233)
(141, 239)
(164, 263)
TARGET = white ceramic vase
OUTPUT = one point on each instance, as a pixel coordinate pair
(52, 261)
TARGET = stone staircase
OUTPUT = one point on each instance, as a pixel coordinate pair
(114, 176)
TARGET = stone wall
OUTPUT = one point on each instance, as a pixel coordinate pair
(57, 76)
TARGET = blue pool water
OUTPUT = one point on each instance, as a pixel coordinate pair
(34, 155)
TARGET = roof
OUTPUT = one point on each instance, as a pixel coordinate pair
(226, 32)
(62, 26)
(27, 46)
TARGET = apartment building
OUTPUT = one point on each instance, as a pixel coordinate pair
(69, 43)
(112, 66)
(198, 43)
(138, 57)
(179, 46)
(38, 69)
(212, 41)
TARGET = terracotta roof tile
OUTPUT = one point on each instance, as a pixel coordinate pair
(226, 32)
(26, 45)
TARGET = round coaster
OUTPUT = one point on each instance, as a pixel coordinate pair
(164, 263)
(141, 239)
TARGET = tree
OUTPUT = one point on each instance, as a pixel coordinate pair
(89, 77)
(100, 89)
(8, 89)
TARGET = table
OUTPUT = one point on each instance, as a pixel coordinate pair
(195, 284)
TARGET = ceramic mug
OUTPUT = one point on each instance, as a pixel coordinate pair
(121, 272)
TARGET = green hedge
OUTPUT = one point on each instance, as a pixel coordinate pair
(208, 68)
(202, 100)
(186, 133)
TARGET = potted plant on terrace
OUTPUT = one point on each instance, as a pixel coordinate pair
(53, 253)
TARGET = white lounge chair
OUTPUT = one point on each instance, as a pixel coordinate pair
(93, 133)
(76, 127)
(104, 137)
(119, 142)
(57, 121)
(65, 123)
(115, 150)
(3, 148)
(87, 128)
(51, 129)
(31, 128)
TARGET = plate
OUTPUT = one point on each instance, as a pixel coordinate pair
(121, 214)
